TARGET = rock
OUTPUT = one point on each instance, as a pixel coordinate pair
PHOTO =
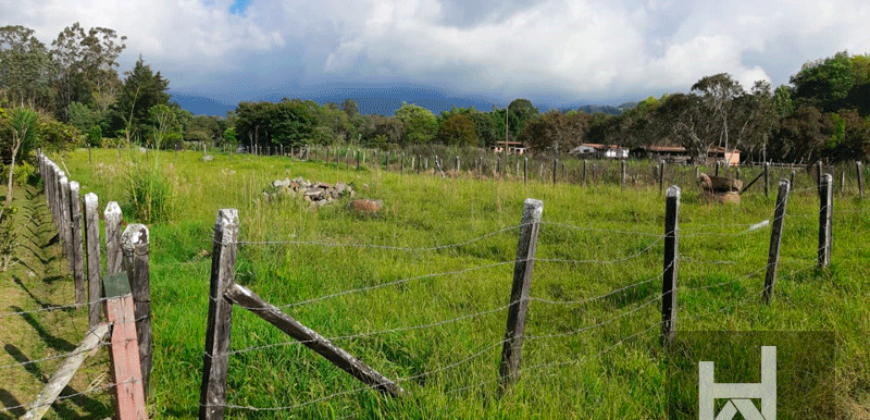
(314, 193)
(281, 183)
(324, 185)
(207, 158)
(367, 206)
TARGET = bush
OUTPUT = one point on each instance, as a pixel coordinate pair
(149, 192)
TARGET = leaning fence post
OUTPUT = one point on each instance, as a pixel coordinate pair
(134, 244)
(112, 214)
(126, 368)
(213, 391)
(825, 216)
(92, 239)
(859, 167)
(669, 281)
(519, 303)
(775, 240)
(77, 257)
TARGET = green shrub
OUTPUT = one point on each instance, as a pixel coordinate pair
(149, 192)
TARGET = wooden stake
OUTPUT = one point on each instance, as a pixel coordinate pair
(78, 263)
(622, 174)
(669, 282)
(66, 225)
(525, 170)
(825, 220)
(113, 217)
(135, 246)
(661, 176)
(776, 239)
(555, 170)
(516, 323)
(92, 239)
(859, 168)
(213, 390)
(766, 179)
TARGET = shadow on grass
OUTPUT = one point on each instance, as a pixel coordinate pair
(19, 357)
(9, 400)
(52, 341)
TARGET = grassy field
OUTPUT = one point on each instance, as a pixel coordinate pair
(439, 324)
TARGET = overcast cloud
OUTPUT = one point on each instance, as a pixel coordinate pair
(569, 51)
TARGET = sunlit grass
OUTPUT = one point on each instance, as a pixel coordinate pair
(612, 371)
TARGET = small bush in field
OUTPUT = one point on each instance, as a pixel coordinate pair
(149, 192)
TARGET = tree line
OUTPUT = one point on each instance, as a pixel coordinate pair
(80, 96)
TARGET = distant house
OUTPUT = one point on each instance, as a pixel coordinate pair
(513, 147)
(731, 158)
(666, 153)
(600, 151)
(681, 154)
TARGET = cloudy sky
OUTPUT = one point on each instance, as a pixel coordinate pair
(555, 52)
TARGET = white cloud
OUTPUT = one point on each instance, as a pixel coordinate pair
(576, 49)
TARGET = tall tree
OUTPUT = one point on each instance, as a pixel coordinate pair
(86, 63)
(420, 123)
(25, 67)
(142, 90)
(458, 130)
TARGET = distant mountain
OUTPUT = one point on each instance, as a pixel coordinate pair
(199, 105)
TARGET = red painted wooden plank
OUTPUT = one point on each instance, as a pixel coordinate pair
(125, 359)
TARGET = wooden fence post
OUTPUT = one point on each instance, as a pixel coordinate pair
(112, 214)
(126, 368)
(661, 176)
(555, 170)
(584, 171)
(791, 179)
(66, 223)
(669, 281)
(622, 172)
(766, 179)
(717, 168)
(859, 168)
(825, 216)
(92, 239)
(519, 303)
(776, 239)
(134, 244)
(457, 165)
(78, 264)
(819, 174)
(213, 391)
(525, 170)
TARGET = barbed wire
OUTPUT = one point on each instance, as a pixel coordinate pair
(375, 246)
(94, 390)
(608, 294)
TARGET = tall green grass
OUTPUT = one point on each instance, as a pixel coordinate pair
(587, 359)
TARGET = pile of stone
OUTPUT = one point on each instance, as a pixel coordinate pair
(318, 194)
(720, 188)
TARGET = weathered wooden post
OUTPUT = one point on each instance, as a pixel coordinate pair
(825, 220)
(737, 172)
(717, 168)
(114, 255)
(766, 179)
(525, 170)
(357, 159)
(584, 171)
(819, 175)
(498, 165)
(622, 174)
(66, 223)
(669, 281)
(457, 165)
(776, 239)
(519, 301)
(213, 391)
(555, 170)
(92, 239)
(387, 161)
(661, 176)
(135, 246)
(126, 367)
(859, 168)
(843, 181)
(77, 257)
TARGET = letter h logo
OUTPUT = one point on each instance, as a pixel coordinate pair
(739, 395)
